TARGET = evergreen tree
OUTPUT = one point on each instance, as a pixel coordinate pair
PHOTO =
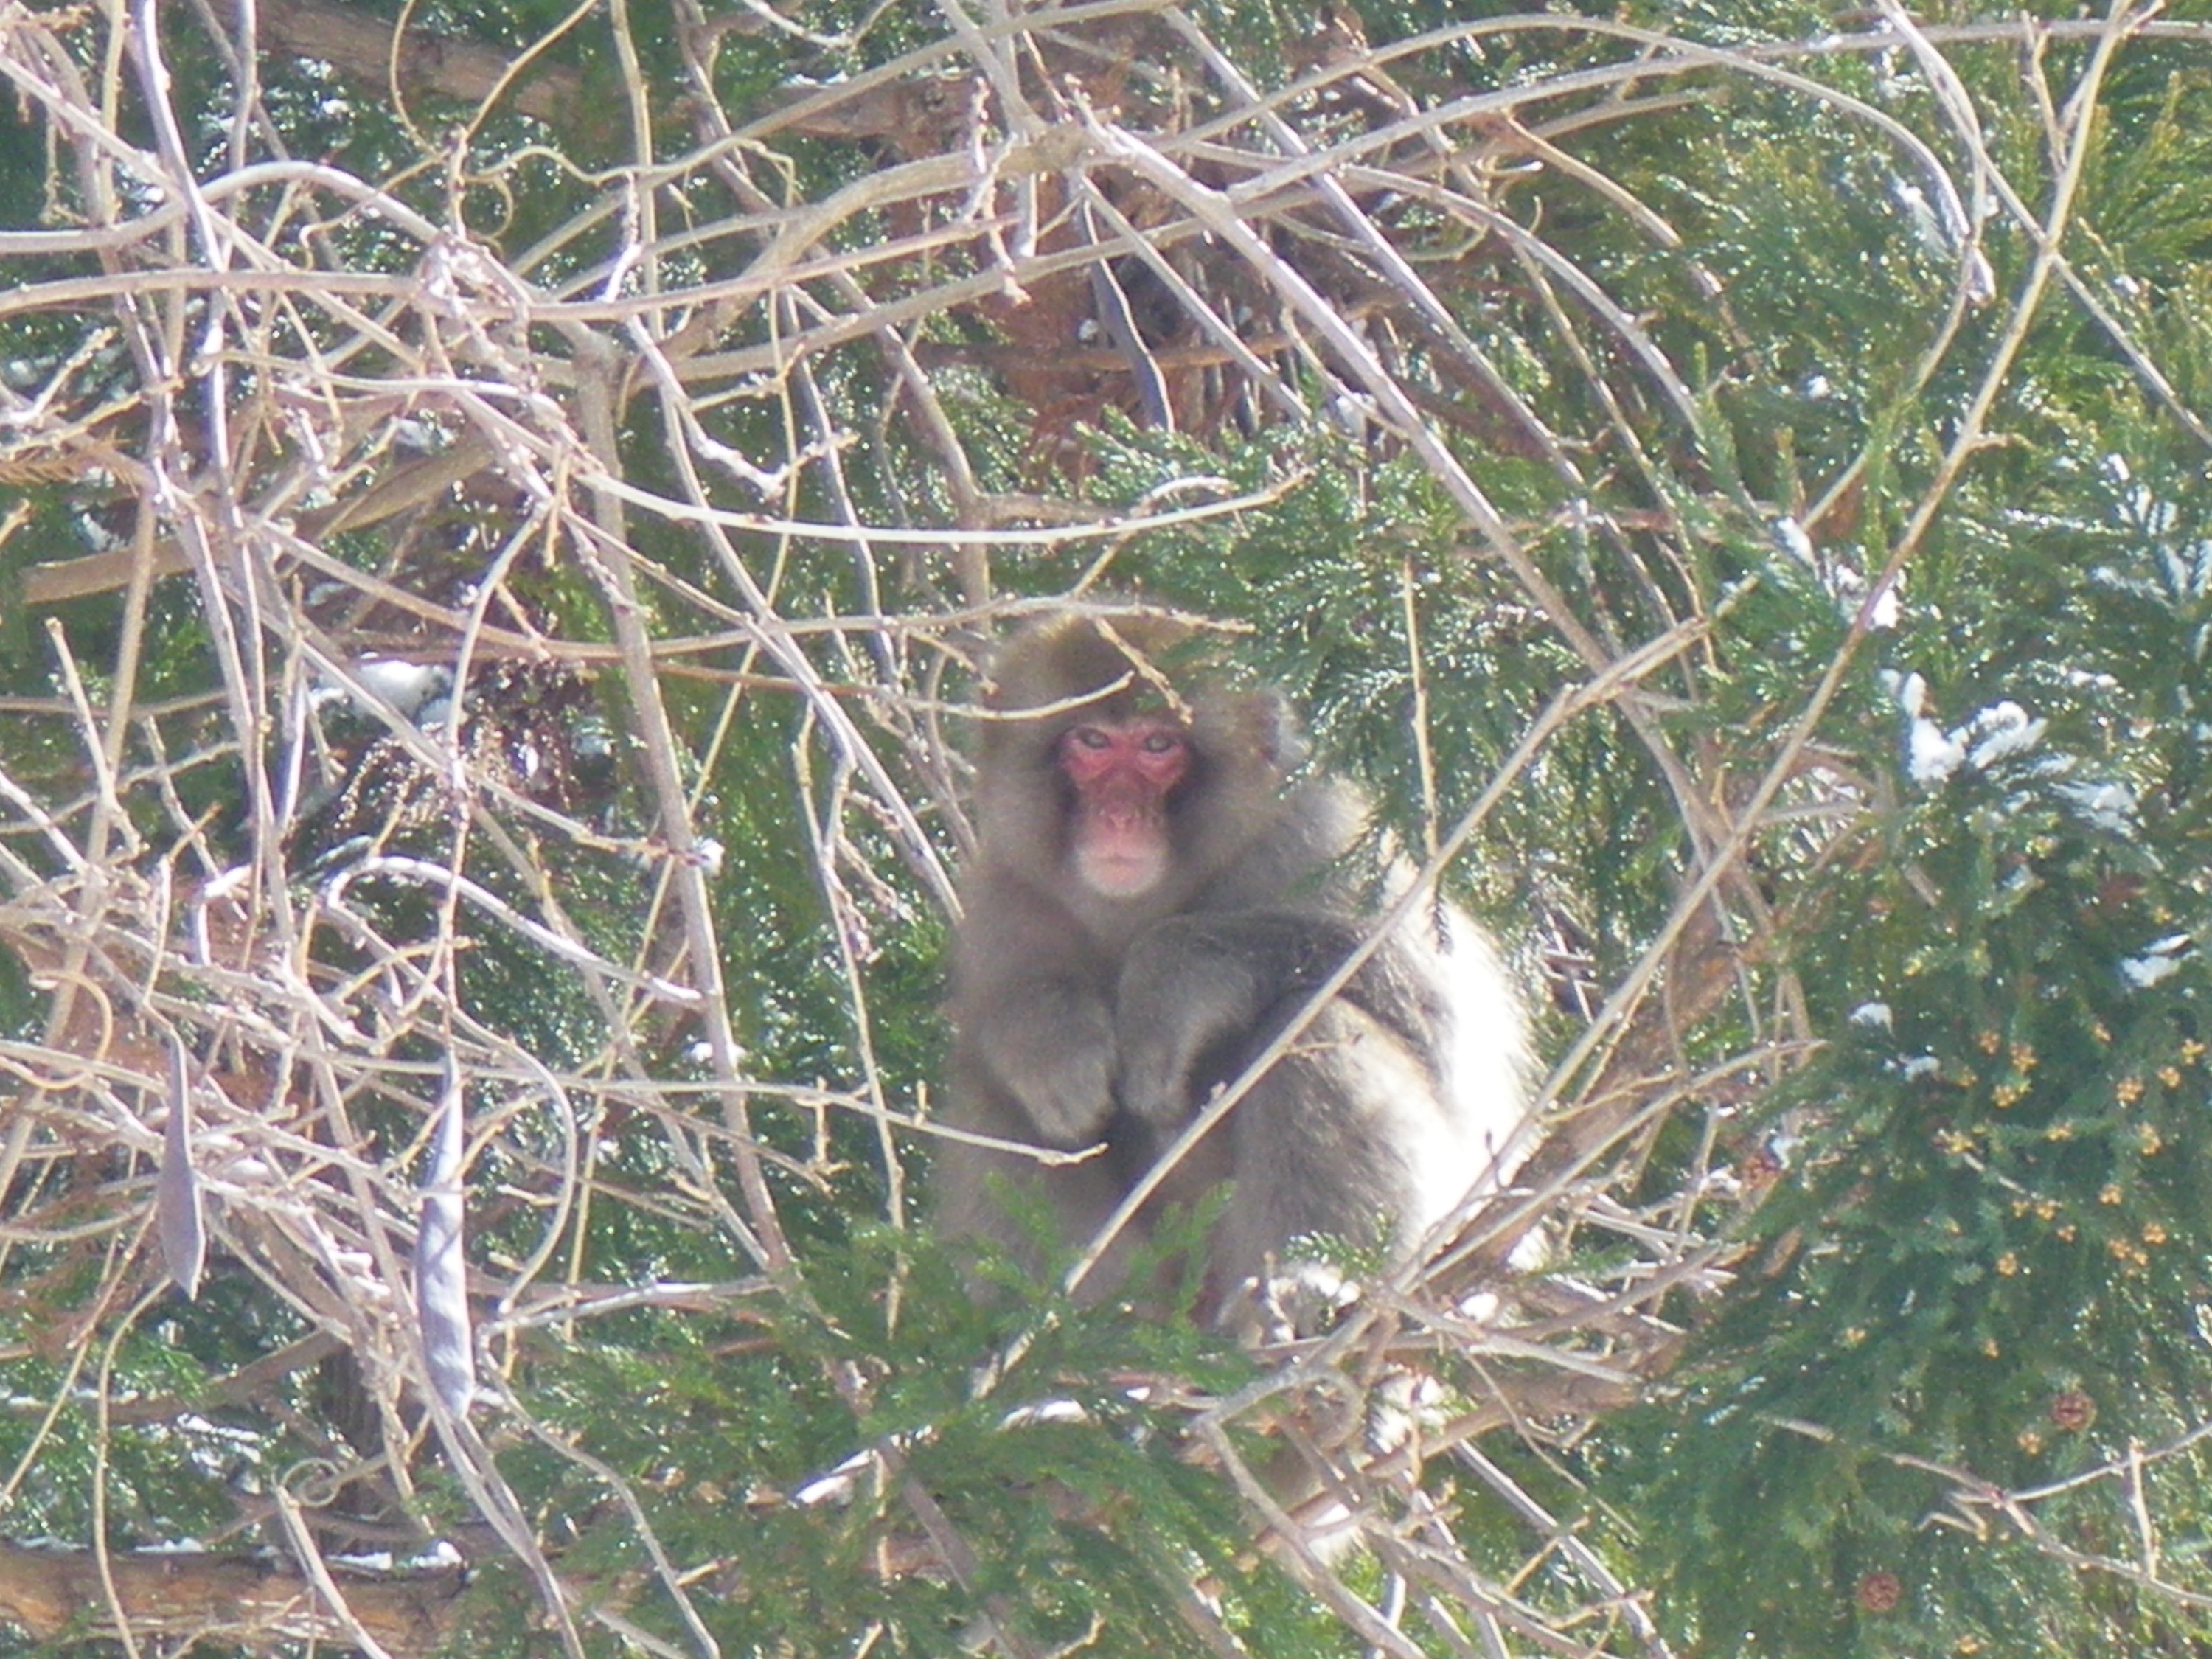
(502, 508)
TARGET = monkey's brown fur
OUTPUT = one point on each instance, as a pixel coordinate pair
(1085, 1018)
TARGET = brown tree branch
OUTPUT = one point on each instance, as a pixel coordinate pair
(51, 1593)
(358, 44)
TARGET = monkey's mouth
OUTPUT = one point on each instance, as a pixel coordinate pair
(1121, 872)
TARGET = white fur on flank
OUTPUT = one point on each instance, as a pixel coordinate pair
(1485, 1060)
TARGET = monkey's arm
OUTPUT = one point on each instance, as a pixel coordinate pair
(1201, 994)
(1033, 1014)
(1047, 1047)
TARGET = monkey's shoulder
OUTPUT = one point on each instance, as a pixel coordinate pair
(1010, 921)
(1300, 853)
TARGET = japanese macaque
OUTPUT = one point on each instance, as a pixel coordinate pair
(1153, 897)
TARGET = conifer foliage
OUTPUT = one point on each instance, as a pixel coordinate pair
(503, 509)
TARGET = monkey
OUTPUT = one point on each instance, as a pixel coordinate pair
(1159, 888)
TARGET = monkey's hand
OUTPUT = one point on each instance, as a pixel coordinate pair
(1195, 993)
(1051, 1050)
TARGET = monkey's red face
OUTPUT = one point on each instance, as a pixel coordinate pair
(1123, 772)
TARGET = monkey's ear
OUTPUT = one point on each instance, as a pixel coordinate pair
(1253, 729)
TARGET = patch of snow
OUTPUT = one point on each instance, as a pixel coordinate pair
(2160, 960)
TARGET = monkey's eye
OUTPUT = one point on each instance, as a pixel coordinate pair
(1091, 737)
(1162, 742)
